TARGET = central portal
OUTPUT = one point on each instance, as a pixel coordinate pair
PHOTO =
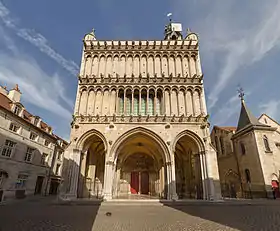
(139, 183)
(140, 169)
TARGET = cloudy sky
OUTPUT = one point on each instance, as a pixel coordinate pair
(41, 42)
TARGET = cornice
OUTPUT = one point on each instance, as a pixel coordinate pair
(137, 45)
(136, 119)
(121, 80)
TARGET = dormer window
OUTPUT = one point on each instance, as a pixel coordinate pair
(17, 110)
(36, 121)
(14, 128)
(33, 136)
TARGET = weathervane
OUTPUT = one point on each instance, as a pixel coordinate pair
(241, 93)
(169, 16)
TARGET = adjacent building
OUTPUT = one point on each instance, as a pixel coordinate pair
(248, 156)
(31, 156)
(140, 124)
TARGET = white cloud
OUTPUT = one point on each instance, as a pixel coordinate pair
(37, 40)
(224, 113)
(271, 108)
(38, 88)
(236, 33)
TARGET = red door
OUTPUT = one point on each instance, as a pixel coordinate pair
(144, 183)
(134, 185)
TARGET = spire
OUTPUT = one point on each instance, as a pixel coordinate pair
(246, 118)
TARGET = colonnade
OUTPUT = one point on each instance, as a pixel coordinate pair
(141, 101)
(141, 63)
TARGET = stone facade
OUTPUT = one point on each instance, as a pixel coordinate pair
(31, 155)
(140, 124)
(249, 165)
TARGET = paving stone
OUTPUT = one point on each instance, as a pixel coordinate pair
(41, 216)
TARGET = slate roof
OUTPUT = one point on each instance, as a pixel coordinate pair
(247, 119)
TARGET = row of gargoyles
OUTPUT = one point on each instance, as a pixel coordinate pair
(93, 78)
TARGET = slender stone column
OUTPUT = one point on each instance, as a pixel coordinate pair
(108, 180)
(168, 180)
(173, 178)
(203, 175)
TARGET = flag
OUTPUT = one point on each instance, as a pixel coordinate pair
(169, 14)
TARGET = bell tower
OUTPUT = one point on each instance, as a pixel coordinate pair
(173, 30)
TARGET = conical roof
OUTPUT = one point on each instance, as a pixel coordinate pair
(246, 118)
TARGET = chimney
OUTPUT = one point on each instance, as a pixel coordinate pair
(15, 94)
(3, 90)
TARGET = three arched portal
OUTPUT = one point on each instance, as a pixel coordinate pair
(142, 166)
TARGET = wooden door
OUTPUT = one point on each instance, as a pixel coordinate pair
(144, 183)
(39, 184)
(134, 184)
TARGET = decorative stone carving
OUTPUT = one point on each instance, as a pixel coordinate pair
(131, 118)
(114, 117)
(139, 118)
(173, 118)
(147, 118)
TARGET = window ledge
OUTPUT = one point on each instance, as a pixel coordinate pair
(266, 151)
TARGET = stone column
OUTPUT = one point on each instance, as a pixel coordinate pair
(74, 172)
(203, 175)
(108, 180)
(168, 181)
(173, 178)
(212, 173)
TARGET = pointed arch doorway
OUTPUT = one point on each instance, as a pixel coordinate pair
(141, 170)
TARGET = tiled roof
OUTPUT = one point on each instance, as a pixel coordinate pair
(6, 103)
(227, 128)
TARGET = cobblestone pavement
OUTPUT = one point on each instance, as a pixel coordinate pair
(38, 215)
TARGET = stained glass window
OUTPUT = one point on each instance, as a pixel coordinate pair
(143, 103)
(136, 103)
(121, 102)
(151, 104)
(158, 103)
(128, 104)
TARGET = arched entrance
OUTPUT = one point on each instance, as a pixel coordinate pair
(188, 168)
(140, 169)
(92, 167)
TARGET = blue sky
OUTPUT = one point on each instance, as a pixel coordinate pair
(41, 43)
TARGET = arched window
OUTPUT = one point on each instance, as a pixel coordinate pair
(136, 102)
(248, 175)
(121, 102)
(143, 102)
(128, 103)
(243, 149)
(159, 103)
(222, 145)
(151, 102)
(266, 144)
